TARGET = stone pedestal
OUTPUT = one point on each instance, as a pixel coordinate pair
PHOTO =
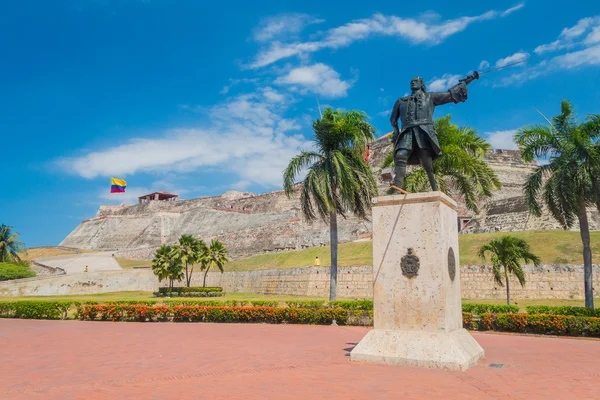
(416, 286)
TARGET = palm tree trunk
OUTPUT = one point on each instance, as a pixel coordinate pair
(584, 230)
(333, 240)
(187, 275)
(205, 274)
(507, 286)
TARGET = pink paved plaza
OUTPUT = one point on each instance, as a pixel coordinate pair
(104, 360)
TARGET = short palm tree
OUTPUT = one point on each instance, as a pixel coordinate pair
(10, 245)
(188, 252)
(460, 170)
(338, 179)
(570, 181)
(506, 253)
(165, 266)
(214, 256)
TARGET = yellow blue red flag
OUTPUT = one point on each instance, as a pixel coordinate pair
(117, 185)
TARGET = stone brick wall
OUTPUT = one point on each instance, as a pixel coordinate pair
(544, 282)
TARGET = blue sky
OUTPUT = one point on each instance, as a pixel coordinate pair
(203, 97)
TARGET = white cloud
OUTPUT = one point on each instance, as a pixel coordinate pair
(512, 9)
(567, 37)
(511, 59)
(483, 65)
(425, 30)
(443, 83)
(502, 139)
(282, 25)
(317, 78)
(247, 136)
(589, 56)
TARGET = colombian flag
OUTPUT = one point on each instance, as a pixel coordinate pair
(117, 185)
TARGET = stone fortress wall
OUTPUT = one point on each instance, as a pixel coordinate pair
(563, 281)
(250, 224)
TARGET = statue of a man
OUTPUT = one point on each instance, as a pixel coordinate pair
(417, 139)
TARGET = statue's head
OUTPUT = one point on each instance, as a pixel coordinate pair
(417, 84)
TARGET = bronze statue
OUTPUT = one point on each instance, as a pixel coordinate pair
(417, 141)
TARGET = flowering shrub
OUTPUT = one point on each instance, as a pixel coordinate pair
(197, 313)
(536, 323)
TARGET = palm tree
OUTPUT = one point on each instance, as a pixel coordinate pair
(507, 252)
(214, 256)
(188, 252)
(10, 246)
(570, 181)
(165, 266)
(460, 169)
(338, 179)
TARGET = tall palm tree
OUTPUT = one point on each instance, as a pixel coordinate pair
(214, 256)
(507, 253)
(460, 170)
(570, 182)
(338, 179)
(188, 252)
(10, 246)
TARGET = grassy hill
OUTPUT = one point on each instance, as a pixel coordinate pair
(554, 247)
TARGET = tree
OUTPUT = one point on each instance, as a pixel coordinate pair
(460, 169)
(214, 256)
(10, 246)
(338, 179)
(165, 266)
(570, 181)
(507, 253)
(188, 252)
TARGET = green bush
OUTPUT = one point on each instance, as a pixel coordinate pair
(365, 304)
(189, 294)
(564, 310)
(264, 303)
(35, 309)
(479, 309)
(177, 302)
(195, 289)
(10, 271)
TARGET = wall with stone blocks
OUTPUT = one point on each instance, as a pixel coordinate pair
(544, 282)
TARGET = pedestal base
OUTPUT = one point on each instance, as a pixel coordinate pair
(456, 350)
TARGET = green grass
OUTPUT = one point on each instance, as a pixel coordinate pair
(127, 263)
(350, 254)
(15, 271)
(553, 247)
(107, 297)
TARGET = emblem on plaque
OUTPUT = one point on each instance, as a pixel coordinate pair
(451, 264)
(410, 264)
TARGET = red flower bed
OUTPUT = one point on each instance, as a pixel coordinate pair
(182, 313)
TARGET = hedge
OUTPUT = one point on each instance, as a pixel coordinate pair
(186, 313)
(564, 310)
(535, 323)
(195, 289)
(188, 294)
(489, 308)
(34, 309)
